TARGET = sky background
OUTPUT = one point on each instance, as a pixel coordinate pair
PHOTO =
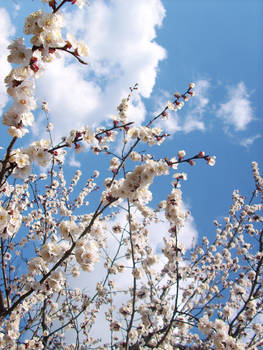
(162, 46)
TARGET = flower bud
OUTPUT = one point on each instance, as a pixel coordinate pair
(201, 154)
(181, 154)
(191, 162)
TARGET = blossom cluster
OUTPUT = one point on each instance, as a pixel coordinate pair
(58, 234)
(47, 39)
(135, 185)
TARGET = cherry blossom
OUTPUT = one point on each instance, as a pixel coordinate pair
(57, 230)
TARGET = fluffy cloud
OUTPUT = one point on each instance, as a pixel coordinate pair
(237, 111)
(73, 162)
(250, 140)
(71, 98)
(6, 30)
(194, 117)
(120, 35)
(201, 99)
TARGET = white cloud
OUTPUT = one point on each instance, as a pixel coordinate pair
(70, 97)
(17, 9)
(192, 124)
(120, 36)
(250, 140)
(201, 99)
(237, 111)
(73, 162)
(188, 234)
(6, 30)
(194, 118)
(171, 124)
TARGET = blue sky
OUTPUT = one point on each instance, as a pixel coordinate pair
(220, 42)
(164, 45)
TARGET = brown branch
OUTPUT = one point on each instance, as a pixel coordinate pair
(2, 304)
(5, 161)
(97, 213)
(134, 279)
(55, 9)
(4, 277)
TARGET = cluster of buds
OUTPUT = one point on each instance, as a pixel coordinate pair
(53, 3)
(181, 159)
(121, 117)
(178, 103)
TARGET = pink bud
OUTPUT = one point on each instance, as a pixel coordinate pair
(201, 154)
